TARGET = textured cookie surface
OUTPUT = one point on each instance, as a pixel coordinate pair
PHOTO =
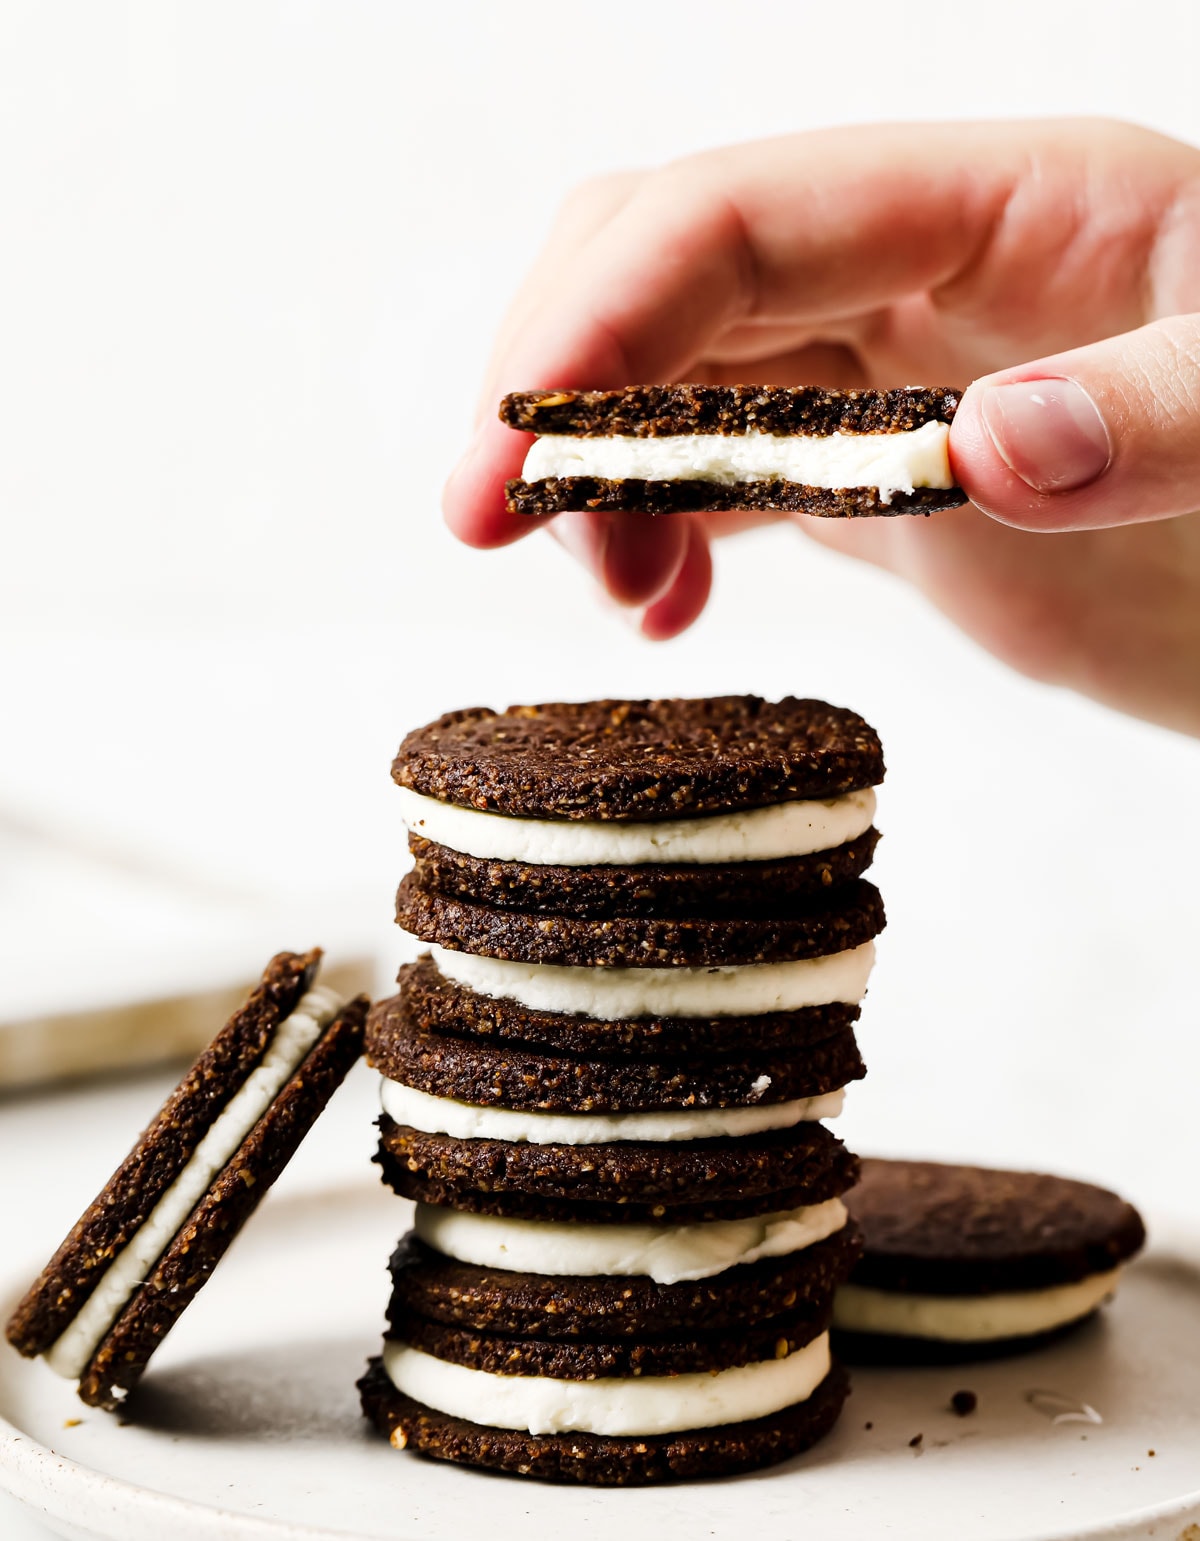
(938, 1229)
(498, 1300)
(844, 918)
(654, 411)
(159, 1156)
(584, 1359)
(640, 760)
(482, 1074)
(440, 1005)
(695, 888)
(634, 495)
(684, 1180)
(601, 1460)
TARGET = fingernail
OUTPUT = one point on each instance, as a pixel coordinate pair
(586, 537)
(1049, 432)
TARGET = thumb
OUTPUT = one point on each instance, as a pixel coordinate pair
(1104, 435)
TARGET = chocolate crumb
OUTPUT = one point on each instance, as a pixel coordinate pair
(964, 1403)
(915, 1442)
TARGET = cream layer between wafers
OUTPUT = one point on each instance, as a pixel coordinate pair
(668, 1254)
(890, 462)
(613, 1405)
(780, 830)
(970, 1318)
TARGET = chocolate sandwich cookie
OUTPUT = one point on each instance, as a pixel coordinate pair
(678, 1181)
(435, 1004)
(845, 918)
(963, 1262)
(650, 889)
(151, 1238)
(618, 1307)
(604, 1460)
(642, 761)
(483, 1074)
(664, 449)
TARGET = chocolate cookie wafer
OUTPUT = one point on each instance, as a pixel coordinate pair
(965, 1262)
(645, 1180)
(651, 889)
(149, 1241)
(613, 762)
(847, 918)
(484, 1074)
(664, 449)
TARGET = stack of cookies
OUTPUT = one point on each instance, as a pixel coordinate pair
(604, 1084)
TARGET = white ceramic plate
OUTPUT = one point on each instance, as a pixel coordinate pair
(248, 1427)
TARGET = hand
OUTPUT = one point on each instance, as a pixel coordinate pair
(929, 255)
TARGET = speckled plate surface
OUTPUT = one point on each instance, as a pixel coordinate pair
(248, 1427)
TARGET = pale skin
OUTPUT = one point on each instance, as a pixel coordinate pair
(922, 254)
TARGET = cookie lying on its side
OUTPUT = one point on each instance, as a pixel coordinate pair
(149, 1241)
(966, 1262)
(666, 449)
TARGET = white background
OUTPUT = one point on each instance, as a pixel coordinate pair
(251, 256)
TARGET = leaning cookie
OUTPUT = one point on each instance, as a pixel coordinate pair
(665, 449)
(966, 1262)
(151, 1238)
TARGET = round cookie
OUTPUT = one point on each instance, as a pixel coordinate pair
(846, 918)
(601, 1460)
(439, 1005)
(602, 1308)
(695, 888)
(944, 1229)
(966, 1262)
(640, 760)
(483, 1074)
(692, 1180)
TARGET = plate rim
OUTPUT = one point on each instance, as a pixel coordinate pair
(33, 1474)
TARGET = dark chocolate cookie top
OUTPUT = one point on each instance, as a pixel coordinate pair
(654, 411)
(640, 760)
(965, 1230)
(846, 918)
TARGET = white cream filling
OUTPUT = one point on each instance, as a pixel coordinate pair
(891, 462)
(668, 1254)
(970, 1318)
(469, 1121)
(292, 1040)
(613, 994)
(649, 1404)
(759, 834)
